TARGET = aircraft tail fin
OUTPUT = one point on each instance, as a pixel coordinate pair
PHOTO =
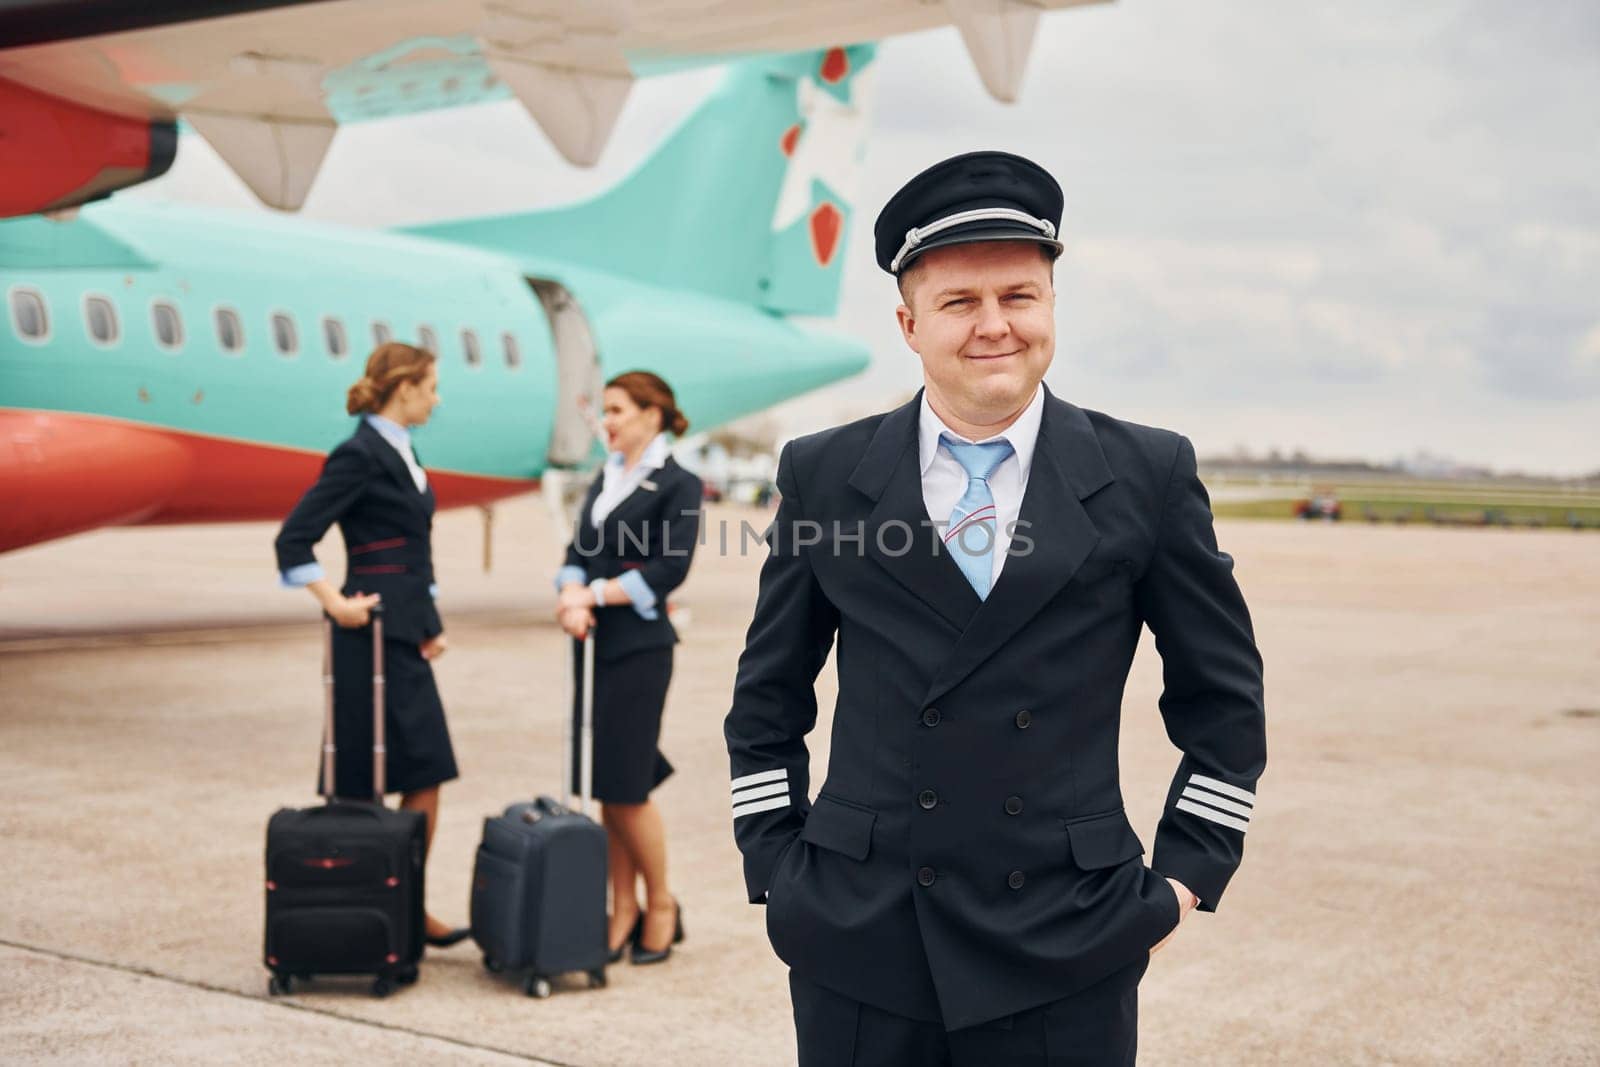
(750, 199)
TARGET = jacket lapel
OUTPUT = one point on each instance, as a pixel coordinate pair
(388, 458)
(641, 498)
(427, 496)
(899, 535)
(1068, 467)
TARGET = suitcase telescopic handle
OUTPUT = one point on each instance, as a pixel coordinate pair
(586, 758)
(585, 699)
(380, 747)
(330, 746)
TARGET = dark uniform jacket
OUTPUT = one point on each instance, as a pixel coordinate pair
(968, 856)
(367, 489)
(652, 530)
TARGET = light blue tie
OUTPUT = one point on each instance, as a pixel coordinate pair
(972, 533)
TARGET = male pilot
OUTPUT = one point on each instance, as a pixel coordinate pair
(965, 889)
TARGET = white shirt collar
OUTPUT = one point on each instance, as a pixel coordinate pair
(654, 458)
(393, 432)
(1023, 434)
(399, 439)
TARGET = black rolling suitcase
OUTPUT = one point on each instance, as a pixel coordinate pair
(539, 883)
(344, 879)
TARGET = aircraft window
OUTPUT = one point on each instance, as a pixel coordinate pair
(333, 333)
(284, 335)
(28, 315)
(168, 325)
(101, 316)
(513, 353)
(230, 330)
(469, 346)
(427, 339)
(381, 334)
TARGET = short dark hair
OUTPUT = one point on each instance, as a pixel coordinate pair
(904, 278)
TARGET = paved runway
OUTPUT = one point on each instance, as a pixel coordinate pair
(1419, 885)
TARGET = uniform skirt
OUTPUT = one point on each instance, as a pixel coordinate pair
(417, 739)
(629, 693)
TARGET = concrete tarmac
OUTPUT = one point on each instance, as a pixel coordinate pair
(1419, 885)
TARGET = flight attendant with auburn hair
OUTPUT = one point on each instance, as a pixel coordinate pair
(635, 535)
(373, 486)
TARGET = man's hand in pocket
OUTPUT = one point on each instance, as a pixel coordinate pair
(1186, 904)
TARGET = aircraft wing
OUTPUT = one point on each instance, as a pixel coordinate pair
(95, 87)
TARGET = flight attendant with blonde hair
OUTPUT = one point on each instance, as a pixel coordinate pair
(373, 486)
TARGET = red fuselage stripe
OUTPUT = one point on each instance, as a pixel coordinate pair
(63, 473)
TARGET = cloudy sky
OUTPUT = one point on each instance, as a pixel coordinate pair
(1363, 229)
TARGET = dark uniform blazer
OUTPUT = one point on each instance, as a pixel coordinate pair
(968, 856)
(652, 531)
(367, 489)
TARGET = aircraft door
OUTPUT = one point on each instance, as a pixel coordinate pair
(579, 379)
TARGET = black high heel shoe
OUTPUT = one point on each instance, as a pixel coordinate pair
(642, 955)
(454, 937)
(615, 955)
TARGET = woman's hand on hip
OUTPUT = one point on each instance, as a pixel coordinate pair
(434, 647)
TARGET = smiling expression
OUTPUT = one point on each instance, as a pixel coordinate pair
(982, 318)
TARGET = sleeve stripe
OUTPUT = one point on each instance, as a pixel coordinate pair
(1212, 814)
(779, 775)
(776, 789)
(1241, 810)
(770, 804)
(1224, 788)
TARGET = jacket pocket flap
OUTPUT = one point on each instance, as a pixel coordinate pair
(841, 827)
(1103, 840)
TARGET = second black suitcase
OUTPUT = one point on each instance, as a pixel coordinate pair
(539, 883)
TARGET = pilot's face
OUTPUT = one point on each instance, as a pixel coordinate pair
(982, 318)
(628, 426)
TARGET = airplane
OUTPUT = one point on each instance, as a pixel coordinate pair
(165, 364)
(91, 91)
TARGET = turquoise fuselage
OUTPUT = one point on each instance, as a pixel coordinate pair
(724, 358)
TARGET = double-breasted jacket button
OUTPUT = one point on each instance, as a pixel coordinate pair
(927, 798)
(1013, 805)
(930, 717)
(1024, 717)
(1016, 880)
(925, 876)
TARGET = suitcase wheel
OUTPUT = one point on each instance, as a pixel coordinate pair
(536, 987)
(407, 976)
(492, 965)
(279, 985)
(597, 978)
(382, 987)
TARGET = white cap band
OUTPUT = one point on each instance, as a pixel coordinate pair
(917, 234)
